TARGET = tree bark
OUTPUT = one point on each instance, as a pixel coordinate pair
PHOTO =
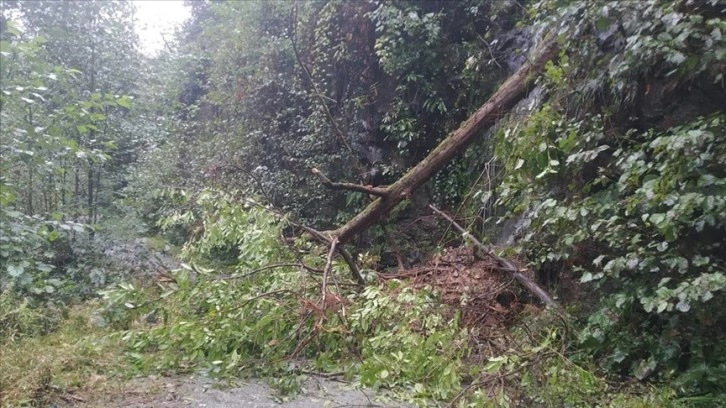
(509, 93)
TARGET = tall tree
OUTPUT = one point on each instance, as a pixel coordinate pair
(96, 42)
(66, 69)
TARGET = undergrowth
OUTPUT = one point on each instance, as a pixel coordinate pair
(74, 361)
(267, 316)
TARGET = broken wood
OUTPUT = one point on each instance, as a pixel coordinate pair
(509, 93)
(328, 239)
(503, 263)
(376, 191)
(328, 268)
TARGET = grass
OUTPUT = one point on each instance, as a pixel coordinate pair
(74, 363)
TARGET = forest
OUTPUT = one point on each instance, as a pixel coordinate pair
(472, 203)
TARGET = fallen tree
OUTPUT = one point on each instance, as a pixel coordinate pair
(509, 93)
(514, 89)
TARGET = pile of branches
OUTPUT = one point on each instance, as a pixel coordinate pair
(486, 296)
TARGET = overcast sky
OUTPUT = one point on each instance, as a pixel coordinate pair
(157, 18)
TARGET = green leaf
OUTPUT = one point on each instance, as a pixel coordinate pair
(494, 364)
(15, 270)
(657, 218)
(124, 101)
(683, 306)
(53, 235)
(44, 267)
(602, 24)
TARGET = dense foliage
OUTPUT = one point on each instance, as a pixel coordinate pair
(360, 90)
(621, 172)
(65, 131)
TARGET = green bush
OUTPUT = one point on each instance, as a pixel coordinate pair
(645, 234)
(625, 187)
(20, 318)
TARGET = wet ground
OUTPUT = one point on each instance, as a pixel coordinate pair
(197, 391)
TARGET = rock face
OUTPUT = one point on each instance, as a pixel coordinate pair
(514, 46)
(513, 228)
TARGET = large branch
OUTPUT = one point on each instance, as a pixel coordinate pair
(509, 93)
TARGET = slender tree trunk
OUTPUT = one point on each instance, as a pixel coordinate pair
(29, 208)
(92, 88)
(77, 191)
(64, 180)
(31, 168)
(89, 198)
(46, 200)
(95, 198)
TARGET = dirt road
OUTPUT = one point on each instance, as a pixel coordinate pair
(202, 392)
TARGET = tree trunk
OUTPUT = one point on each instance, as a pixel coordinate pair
(77, 192)
(509, 93)
(97, 191)
(89, 199)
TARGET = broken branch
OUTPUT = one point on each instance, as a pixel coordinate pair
(503, 263)
(325, 238)
(328, 267)
(376, 191)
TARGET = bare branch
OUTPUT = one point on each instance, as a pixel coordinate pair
(320, 96)
(376, 191)
(352, 265)
(328, 267)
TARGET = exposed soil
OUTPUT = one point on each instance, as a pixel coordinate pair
(487, 297)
